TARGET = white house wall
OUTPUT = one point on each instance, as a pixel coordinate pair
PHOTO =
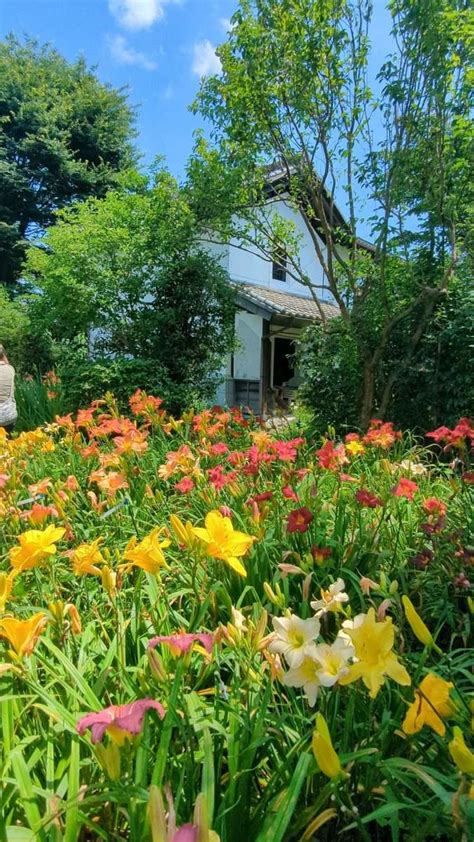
(248, 329)
(249, 265)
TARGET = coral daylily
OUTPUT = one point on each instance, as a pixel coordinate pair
(86, 557)
(181, 642)
(185, 485)
(294, 638)
(148, 553)
(405, 488)
(223, 541)
(373, 642)
(120, 722)
(431, 703)
(34, 546)
(332, 599)
(23, 634)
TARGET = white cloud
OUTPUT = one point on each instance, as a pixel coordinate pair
(168, 92)
(226, 24)
(138, 14)
(205, 61)
(125, 54)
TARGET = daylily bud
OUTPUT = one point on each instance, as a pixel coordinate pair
(306, 586)
(156, 665)
(323, 750)
(421, 632)
(461, 754)
(71, 610)
(109, 758)
(56, 609)
(109, 581)
(393, 587)
(367, 584)
(270, 594)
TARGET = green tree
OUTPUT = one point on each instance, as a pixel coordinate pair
(293, 99)
(127, 272)
(64, 136)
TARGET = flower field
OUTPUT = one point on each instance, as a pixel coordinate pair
(214, 630)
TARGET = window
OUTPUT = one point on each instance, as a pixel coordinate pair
(279, 266)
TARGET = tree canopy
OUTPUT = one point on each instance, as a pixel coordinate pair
(127, 272)
(294, 96)
(65, 136)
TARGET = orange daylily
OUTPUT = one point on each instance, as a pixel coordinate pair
(86, 557)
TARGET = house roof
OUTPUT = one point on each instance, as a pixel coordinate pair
(277, 185)
(272, 302)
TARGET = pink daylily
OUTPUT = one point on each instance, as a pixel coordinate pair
(181, 642)
(121, 722)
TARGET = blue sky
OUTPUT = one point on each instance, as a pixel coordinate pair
(158, 48)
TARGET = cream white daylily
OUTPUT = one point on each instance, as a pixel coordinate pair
(332, 660)
(238, 620)
(411, 467)
(332, 599)
(307, 676)
(294, 638)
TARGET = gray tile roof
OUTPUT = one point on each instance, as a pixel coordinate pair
(286, 303)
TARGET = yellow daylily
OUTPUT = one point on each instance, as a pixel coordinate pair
(419, 629)
(461, 754)
(6, 585)
(323, 750)
(431, 703)
(373, 642)
(23, 634)
(86, 557)
(34, 546)
(223, 541)
(148, 553)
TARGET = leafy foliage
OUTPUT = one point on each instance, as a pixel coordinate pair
(294, 120)
(65, 135)
(127, 272)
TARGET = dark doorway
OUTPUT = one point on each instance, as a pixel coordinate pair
(283, 365)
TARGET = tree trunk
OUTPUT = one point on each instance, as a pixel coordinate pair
(367, 403)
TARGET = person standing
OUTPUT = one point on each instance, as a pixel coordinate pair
(8, 412)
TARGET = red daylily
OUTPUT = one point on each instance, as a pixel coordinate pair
(367, 499)
(121, 722)
(320, 554)
(289, 493)
(331, 457)
(299, 520)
